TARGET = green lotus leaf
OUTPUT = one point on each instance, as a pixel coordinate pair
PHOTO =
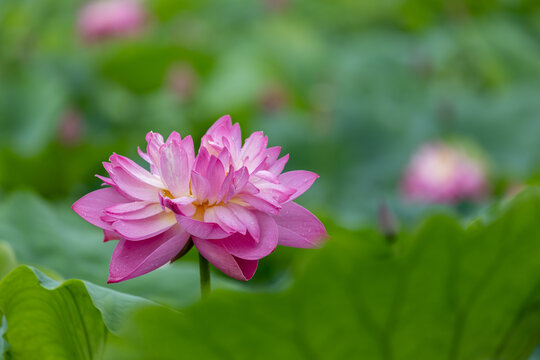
(443, 292)
(71, 320)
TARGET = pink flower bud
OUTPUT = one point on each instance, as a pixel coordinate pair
(277, 5)
(445, 174)
(71, 128)
(273, 98)
(104, 19)
(183, 80)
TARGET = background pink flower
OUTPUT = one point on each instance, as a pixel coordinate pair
(446, 174)
(110, 18)
(182, 80)
(232, 202)
(71, 127)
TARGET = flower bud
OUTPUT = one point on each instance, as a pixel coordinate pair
(104, 19)
(445, 173)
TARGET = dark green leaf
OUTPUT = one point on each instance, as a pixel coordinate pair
(51, 320)
(7, 259)
(441, 293)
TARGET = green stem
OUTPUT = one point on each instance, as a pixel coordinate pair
(204, 269)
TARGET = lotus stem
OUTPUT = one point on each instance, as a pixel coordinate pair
(204, 270)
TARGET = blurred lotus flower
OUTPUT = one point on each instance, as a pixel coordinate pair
(273, 98)
(232, 201)
(277, 5)
(182, 80)
(445, 174)
(103, 19)
(71, 128)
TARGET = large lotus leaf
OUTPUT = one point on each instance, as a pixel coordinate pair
(51, 320)
(443, 292)
(7, 262)
(7, 259)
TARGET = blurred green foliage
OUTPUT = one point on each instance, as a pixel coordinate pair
(349, 88)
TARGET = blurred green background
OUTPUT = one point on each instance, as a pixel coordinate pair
(349, 88)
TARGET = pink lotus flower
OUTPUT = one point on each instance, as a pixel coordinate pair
(232, 200)
(110, 18)
(445, 174)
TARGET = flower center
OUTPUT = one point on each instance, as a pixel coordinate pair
(167, 193)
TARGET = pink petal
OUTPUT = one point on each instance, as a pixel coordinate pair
(144, 228)
(245, 247)
(232, 266)
(175, 168)
(211, 217)
(174, 137)
(225, 158)
(241, 178)
(201, 162)
(135, 258)
(227, 188)
(106, 180)
(300, 180)
(209, 144)
(215, 175)
(201, 229)
(199, 186)
(182, 205)
(266, 176)
(135, 170)
(109, 235)
(224, 121)
(155, 141)
(133, 210)
(227, 219)
(254, 150)
(133, 186)
(272, 154)
(91, 206)
(109, 168)
(261, 202)
(250, 189)
(233, 148)
(236, 136)
(223, 127)
(248, 218)
(298, 227)
(274, 193)
(277, 167)
(187, 145)
(144, 155)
